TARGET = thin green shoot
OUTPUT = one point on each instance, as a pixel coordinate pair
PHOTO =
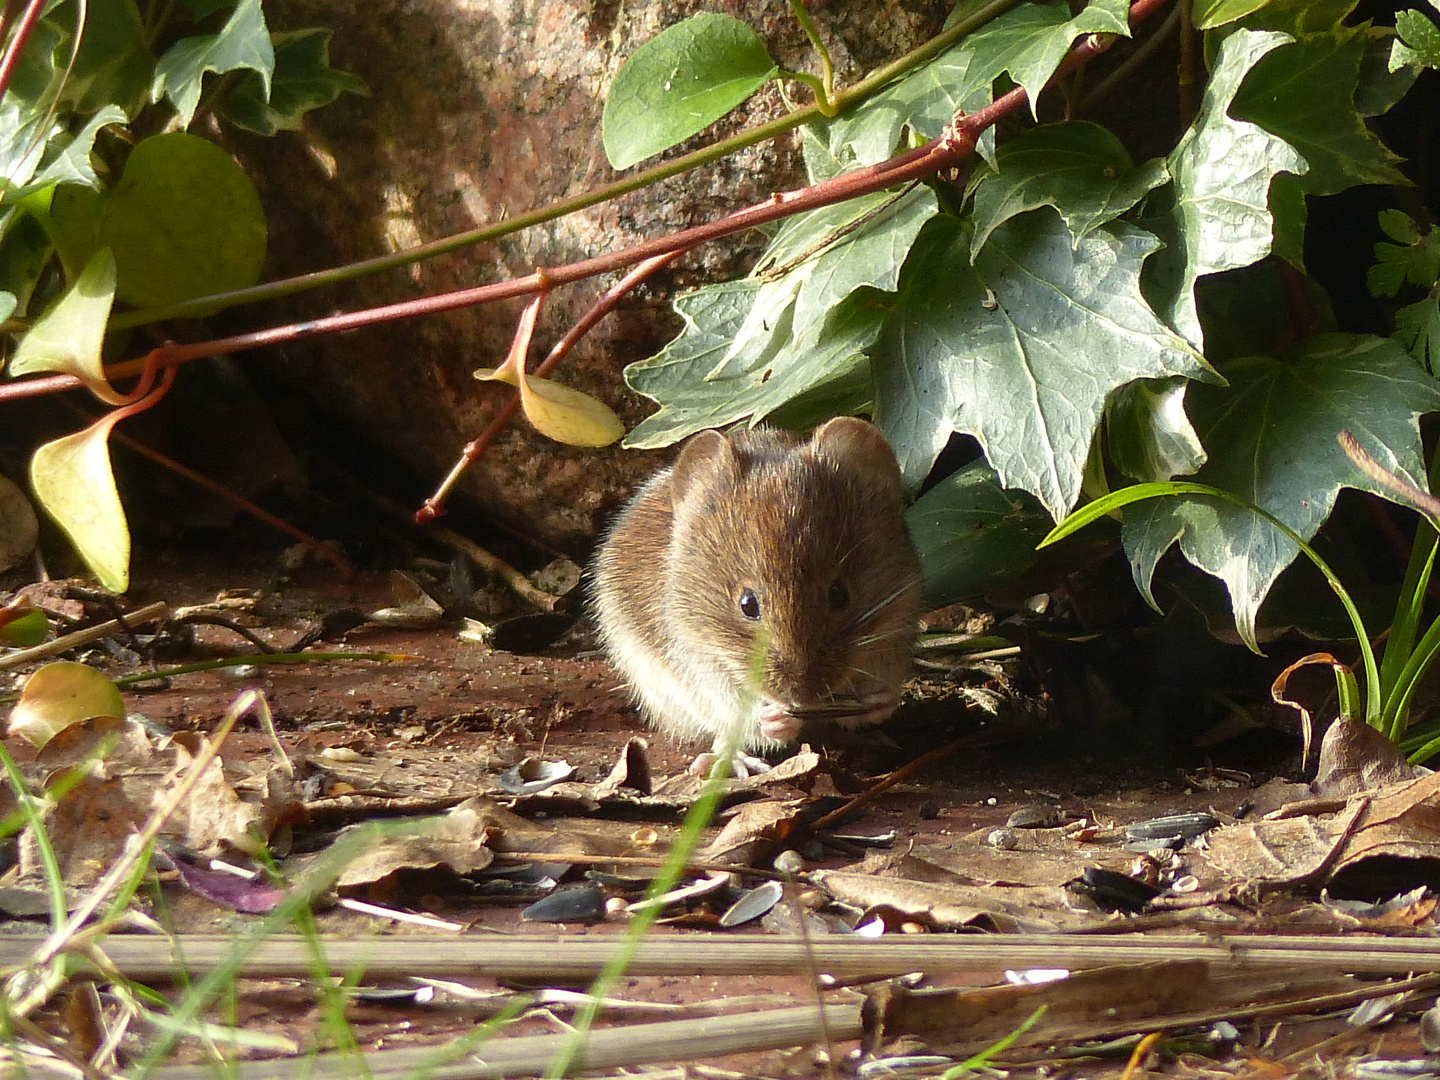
(54, 879)
(982, 1059)
(1139, 492)
(701, 813)
(824, 86)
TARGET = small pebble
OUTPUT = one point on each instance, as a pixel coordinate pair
(789, 861)
(1006, 839)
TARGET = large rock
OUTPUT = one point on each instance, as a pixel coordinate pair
(489, 109)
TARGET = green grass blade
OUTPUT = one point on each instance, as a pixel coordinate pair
(1116, 499)
(1408, 610)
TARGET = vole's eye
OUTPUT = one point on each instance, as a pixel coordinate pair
(749, 604)
(839, 596)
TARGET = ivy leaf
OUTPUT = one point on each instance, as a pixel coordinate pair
(782, 371)
(1031, 47)
(303, 80)
(73, 481)
(1080, 169)
(818, 258)
(1382, 81)
(23, 137)
(243, 42)
(68, 337)
(1027, 41)
(1271, 437)
(972, 536)
(114, 65)
(68, 160)
(1304, 92)
(1147, 432)
(1216, 217)
(680, 82)
(1419, 39)
(184, 221)
(1020, 349)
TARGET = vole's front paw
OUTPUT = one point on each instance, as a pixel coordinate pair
(741, 764)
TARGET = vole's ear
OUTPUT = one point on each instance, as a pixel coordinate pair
(852, 445)
(708, 463)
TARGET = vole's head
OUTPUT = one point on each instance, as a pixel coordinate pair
(791, 560)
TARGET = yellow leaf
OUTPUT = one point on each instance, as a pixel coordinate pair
(559, 411)
(568, 416)
(59, 695)
(72, 479)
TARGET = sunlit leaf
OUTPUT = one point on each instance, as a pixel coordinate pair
(1020, 349)
(680, 82)
(1217, 216)
(1271, 438)
(783, 369)
(68, 337)
(560, 412)
(1080, 169)
(1419, 39)
(73, 481)
(243, 43)
(61, 694)
(1147, 432)
(184, 221)
(303, 80)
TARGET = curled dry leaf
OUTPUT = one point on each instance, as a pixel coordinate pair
(61, 694)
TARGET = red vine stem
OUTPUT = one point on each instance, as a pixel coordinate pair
(28, 18)
(949, 150)
(433, 507)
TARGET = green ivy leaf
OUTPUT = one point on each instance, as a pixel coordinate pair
(1419, 39)
(72, 479)
(1027, 42)
(1216, 217)
(114, 65)
(680, 82)
(24, 134)
(184, 221)
(1271, 440)
(1020, 349)
(1304, 92)
(1147, 432)
(774, 375)
(1080, 169)
(69, 336)
(67, 160)
(972, 536)
(818, 258)
(243, 42)
(1382, 82)
(303, 80)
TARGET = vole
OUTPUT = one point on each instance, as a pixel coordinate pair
(762, 581)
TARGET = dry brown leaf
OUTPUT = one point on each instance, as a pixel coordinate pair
(1355, 757)
(1103, 1002)
(954, 907)
(1284, 851)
